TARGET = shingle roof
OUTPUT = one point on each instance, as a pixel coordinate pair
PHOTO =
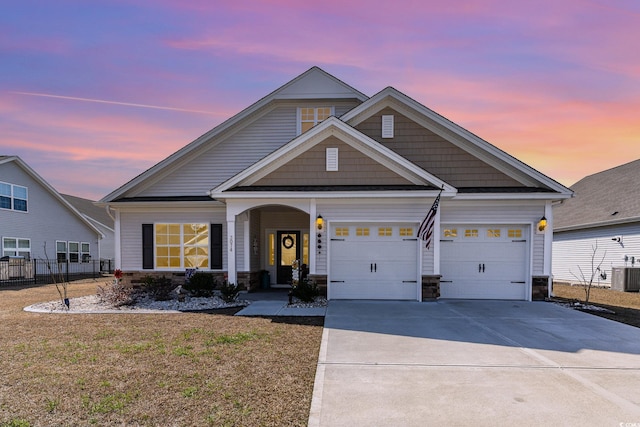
(87, 208)
(604, 198)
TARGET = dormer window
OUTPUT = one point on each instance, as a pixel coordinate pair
(308, 117)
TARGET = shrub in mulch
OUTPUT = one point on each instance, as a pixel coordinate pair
(201, 284)
(306, 291)
(158, 288)
(229, 291)
(117, 294)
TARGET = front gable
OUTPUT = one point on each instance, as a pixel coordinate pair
(446, 149)
(434, 153)
(242, 140)
(362, 162)
(352, 168)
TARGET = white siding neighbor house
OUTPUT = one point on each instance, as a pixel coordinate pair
(604, 216)
(101, 220)
(318, 172)
(37, 223)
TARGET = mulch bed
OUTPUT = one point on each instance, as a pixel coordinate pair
(624, 305)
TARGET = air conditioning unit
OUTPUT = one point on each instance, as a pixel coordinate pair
(626, 279)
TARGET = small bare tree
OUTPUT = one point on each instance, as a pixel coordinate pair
(587, 281)
(58, 278)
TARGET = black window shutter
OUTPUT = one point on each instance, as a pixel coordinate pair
(147, 246)
(216, 246)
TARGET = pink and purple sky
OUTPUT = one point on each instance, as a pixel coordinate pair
(94, 93)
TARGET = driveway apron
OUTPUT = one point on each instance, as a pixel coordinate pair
(474, 363)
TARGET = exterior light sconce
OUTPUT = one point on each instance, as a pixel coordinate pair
(542, 224)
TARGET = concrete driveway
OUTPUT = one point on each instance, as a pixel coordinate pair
(466, 363)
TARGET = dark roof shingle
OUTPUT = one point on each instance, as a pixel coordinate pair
(606, 197)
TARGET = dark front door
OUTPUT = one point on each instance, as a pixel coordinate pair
(288, 245)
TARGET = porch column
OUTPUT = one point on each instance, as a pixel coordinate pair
(435, 241)
(118, 248)
(231, 248)
(548, 246)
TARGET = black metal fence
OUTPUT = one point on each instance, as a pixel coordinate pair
(19, 271)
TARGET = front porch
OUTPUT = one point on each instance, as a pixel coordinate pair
(264, 239)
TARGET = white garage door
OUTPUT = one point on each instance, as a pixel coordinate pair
(484, 262)
(373, 261)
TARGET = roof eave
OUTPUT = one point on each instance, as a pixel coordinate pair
(597, 224)
(328, 194)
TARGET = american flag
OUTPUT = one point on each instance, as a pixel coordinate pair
(425, 232)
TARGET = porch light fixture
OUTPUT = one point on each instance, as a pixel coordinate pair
(542, 224)
(319, 222)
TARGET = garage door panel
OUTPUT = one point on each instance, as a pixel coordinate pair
(377, 265)
(375, 291)
(485, 264)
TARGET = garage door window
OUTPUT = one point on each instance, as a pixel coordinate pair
(384, 231)
(362, 231)
(493, 233)
(515, 233)
(450, 232)
(342, 231)
(406, 232)
(471, 232)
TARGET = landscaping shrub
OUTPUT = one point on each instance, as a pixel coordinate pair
(201, 284)
(158, 288)
(306, 291)
(229, 291)
(117, 294)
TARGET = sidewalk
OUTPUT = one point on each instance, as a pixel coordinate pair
(275, 303)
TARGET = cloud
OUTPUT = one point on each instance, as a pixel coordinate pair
(102, 101)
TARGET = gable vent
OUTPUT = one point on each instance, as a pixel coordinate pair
(387, 126)
(332, 159)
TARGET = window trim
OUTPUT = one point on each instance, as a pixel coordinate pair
(84, 258)
(71, 253)
(150, 246)
(66, 251)
(18, 249)
(12, 197)
(332, 112)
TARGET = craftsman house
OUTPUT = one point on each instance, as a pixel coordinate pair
(317, 171)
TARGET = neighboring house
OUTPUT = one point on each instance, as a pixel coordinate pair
(319, 172)
(605, 212)
(99, 217)
(36, 222)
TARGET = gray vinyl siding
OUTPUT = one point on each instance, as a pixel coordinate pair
(229, 157)
(500, 214)
(220, 161)
(131, 230)
(107, 243)
(47, 219)
(573, 249)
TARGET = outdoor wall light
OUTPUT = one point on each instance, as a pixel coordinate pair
(319, 222)
(542, 224)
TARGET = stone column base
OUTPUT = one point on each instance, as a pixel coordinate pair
(430, 287)
(539, 288)
(321, 281)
